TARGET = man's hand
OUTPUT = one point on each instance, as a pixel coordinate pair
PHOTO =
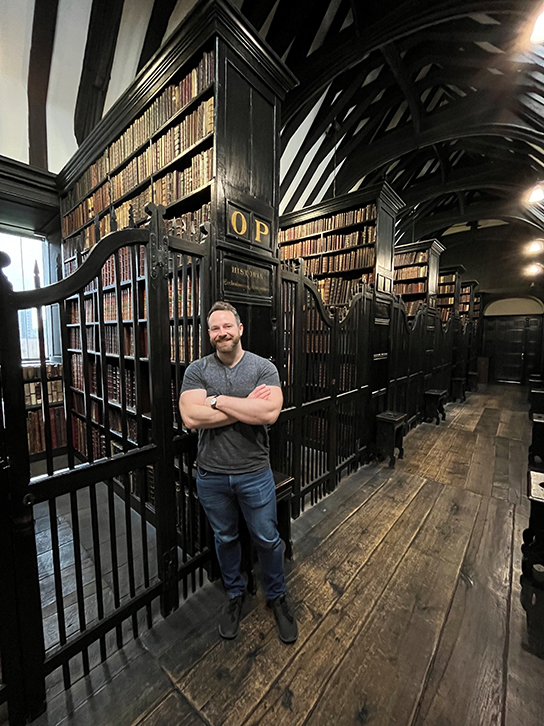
(261, 406)
(197, 412)
(262, 391)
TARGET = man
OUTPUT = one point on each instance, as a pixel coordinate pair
(232, 396)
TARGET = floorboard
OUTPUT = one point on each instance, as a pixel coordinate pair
(407, 588)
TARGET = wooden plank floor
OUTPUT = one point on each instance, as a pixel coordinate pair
(407, 589)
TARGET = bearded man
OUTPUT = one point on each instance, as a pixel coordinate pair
(231, 397)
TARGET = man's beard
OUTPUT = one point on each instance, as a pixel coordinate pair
(226, 346)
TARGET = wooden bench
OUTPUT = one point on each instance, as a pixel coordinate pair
(537, 442)
(458, 389)
(533, 537)
(390, 427)
(536, 401)
(434, 404)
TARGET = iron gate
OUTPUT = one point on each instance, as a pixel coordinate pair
(96, 548)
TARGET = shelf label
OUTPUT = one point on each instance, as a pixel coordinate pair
(247, 226)
(242, 278)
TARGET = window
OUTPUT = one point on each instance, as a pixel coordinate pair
(25, 254)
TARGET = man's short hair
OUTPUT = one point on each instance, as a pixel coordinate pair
(220, 305)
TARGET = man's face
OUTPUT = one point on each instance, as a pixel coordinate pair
(224, 331)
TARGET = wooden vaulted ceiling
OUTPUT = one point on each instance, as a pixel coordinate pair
(443, 99)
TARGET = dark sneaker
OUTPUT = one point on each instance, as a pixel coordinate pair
(285, 619)
(229, 617)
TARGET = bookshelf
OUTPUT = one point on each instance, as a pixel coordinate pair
(344, 242)
(467, 297)
(449, 287)
(476, 308)
(177, 139)
(164, 156)
(416, 274)
(35, 404)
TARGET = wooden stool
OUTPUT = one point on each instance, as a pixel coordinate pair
(458, 386)
(473, 381)
(537, 443)
(390, 434)
(434, 404)
(533, 537)
(284, 492)
(536, 401)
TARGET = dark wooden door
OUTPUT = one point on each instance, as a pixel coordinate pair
(513, 344)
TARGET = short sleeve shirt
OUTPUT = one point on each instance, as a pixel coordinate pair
(238, 448)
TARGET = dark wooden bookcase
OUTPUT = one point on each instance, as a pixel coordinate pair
(416, 274)
(344, 242)
(449, 289)
(476, 308)
(197, 132)
(36, 404)
(467, 296)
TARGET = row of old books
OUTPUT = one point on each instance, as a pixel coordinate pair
(33, 392)
(36, 430)
(411, 258)
(339, 291)
(445, 301)
(446, 289)
(184, 304)
(359, 258)
(172, 100)
(179, 183)
(329, 223)
(187, 226)
(134, 173)
(411, 307)
(329, 243)
(89, 208)
(133, 211)
(408, 273)
(52, 370)
(90, 178)
(78, 378)
(188, 344)
(444, 279)
(409, 288)
(75, 338)
(182, 136)
(115, 384)
(79, 439)
(125, 266)
(116, 424)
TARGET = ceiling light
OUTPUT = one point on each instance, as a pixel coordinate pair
(537, 36)
(535, 194)
(535, 269)
(535, 247)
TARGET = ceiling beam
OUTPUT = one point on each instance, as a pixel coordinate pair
(395, 63)
(508, 211)
(347, 48)
(477, 115)
(158, 23)
(44, 24)
(97, 64)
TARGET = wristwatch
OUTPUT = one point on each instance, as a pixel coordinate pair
(213, 402)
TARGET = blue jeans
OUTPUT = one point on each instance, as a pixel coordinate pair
(255, 493)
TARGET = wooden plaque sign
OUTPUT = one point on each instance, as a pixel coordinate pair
(247, 226)
(241, 278)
